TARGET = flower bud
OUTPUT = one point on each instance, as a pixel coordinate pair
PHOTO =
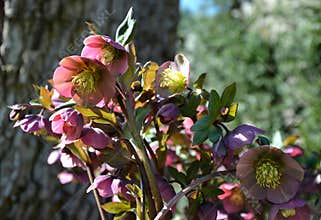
(31, 123)
(168, 113)
(95, 138)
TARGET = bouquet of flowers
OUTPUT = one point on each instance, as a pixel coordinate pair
(144, 138)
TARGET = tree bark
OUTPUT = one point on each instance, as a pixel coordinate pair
(36, 34)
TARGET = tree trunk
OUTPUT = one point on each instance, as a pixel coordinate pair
(36, 34)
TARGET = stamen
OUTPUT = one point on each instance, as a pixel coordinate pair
(174, 80)
(110, 53)
(288, 212)
(86, 81)
(268, 174)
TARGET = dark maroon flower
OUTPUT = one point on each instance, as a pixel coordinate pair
(233, 198)
(32, 123)
(295, 209)
(207, 211)
(267, 172)
(168, 113)
(241, 136)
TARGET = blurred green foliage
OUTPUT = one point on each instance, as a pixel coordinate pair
(272, 50)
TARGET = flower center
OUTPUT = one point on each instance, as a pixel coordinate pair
(174, 80)
(268, 174)
(110, 53)
(287, 212)
(86, 81)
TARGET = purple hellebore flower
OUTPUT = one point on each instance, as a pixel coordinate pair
(67, 122)
(241, 136)
(107, 186)
(168, 113)
(67, 159)
(295, 209)
(17, 111)
(32, 123)
(95, 137)
(106, 51)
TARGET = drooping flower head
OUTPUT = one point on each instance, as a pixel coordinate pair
(95, 137)
(168, 113)
(267, 172)
(87, 81)
(241, 136)
(173, 77)
(32, 123)
(233, 198)
(106, 51)
(69, 123)
(295, 209)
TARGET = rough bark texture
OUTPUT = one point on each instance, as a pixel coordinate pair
(36, 34)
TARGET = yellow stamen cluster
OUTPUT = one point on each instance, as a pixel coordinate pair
(268, 174)
(86, 81)
(110, 53)
(287, 212)
(175, 81)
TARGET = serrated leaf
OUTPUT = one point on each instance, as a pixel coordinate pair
(116, 207)
(214, 105)
(125, 31)
(199, 137)
(202, 124)
(200, 81)
(228, 95)
(178, 176)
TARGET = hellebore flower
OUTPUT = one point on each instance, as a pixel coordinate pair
(17, 111)
(69, 123)
(166, 190)
(106, 51)
(95, 137)
(107, 186)
(267, 172)
(173, 77)
(207, 211)
(87, 81)
(233, 198)
(31, 123)
(168, 113)
(241, 136)
(295, 209)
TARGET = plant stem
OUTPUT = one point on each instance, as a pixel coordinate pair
(91, 179)
(186, 190)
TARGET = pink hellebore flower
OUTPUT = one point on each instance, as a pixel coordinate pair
(173, 77)
(108, 186)
(87, 81)
(67, 122)
(233, 198)
(106, 51)
(95, 137)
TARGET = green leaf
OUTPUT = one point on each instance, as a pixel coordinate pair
(192, 170)
(116, 157)
(200, 81)
(214, 134)
(116, 207)
(228, 95)
(126, 30)
(76, 149)
(199, 137)
(205, 162)
(190, 105)
(141, 114)
(178, 176)
(214, 105)
(202, 124)
(232, 112)
(98, 115)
